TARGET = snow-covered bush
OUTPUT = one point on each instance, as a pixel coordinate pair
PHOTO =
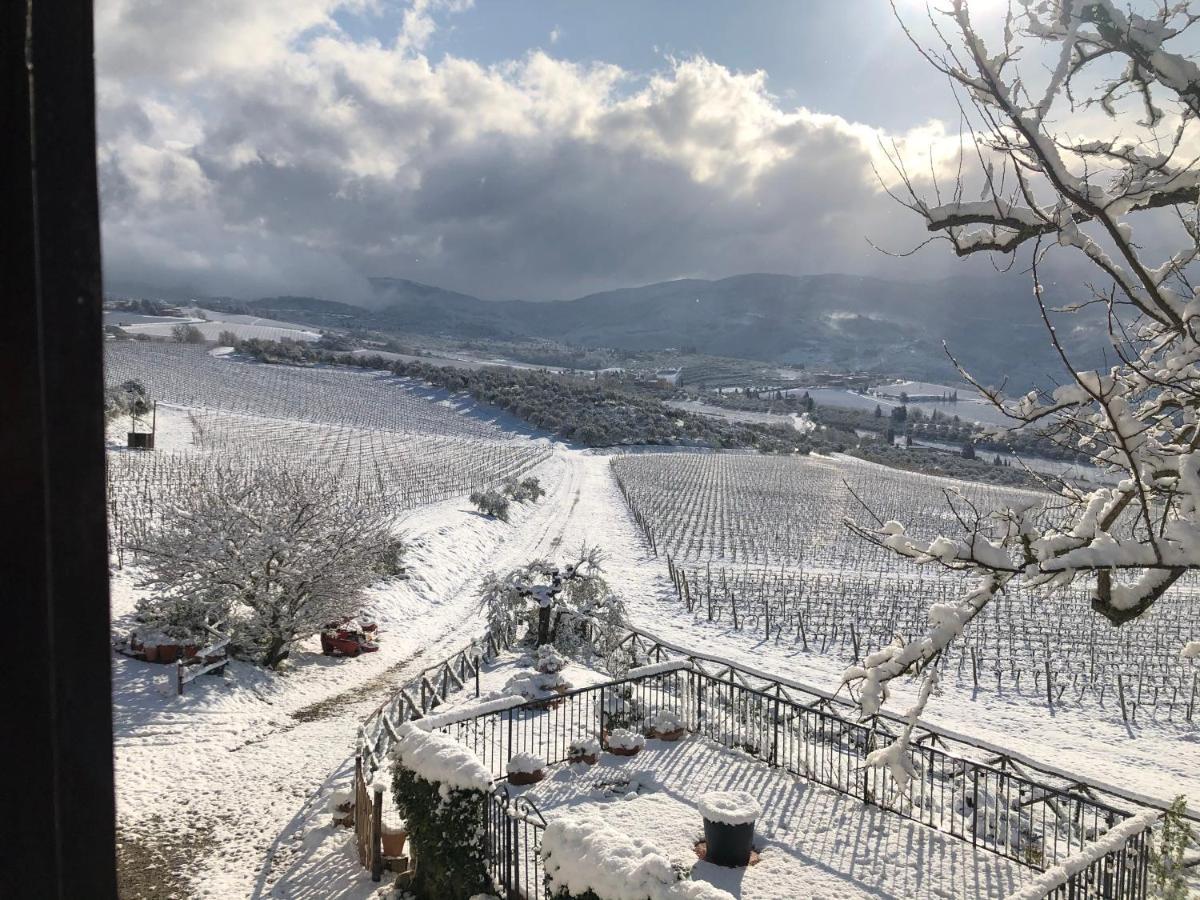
(536, 685)
(267, 556)
(491, 503)
(525, 764)
(620, 708)
(441, 789)
(549, 660)
(1168, 877)
(585, 858)
(1044, 187)
(571, 607)
(624, 739)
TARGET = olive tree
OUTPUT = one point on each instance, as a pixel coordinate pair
(267, 556)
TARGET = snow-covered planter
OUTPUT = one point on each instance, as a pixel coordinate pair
(526, 768)
(584, 750)
(667, 725)
(585, 858)
(729, 818)
(441, 789)
(624, 742)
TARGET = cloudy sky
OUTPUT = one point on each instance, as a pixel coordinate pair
(503, 148)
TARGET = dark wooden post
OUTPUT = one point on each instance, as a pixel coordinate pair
(52, 457)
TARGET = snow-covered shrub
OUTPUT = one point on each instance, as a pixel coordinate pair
(535, 685)
(441, 789)
(585, 858)
(491, 503)
(624, 739)
(620, 709)
(525, 764)
(549, 660)
(1168, 877)
(265, 555)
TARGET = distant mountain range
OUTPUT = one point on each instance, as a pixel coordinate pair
(822, 321)
(837, 321)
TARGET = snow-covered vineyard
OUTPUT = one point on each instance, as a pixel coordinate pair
(744, 600)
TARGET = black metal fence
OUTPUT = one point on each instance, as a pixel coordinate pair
(1032, 823)
(512, 840)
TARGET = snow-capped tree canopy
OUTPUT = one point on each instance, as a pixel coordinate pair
(266, 556)
(1094, 157)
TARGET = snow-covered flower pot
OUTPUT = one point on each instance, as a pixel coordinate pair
(667, 725)
(623, 742)
(526, 768)
(584, 750)
(729, 818)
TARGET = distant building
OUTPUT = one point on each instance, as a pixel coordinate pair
(667, 376)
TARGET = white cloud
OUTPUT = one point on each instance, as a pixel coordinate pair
(253, 148)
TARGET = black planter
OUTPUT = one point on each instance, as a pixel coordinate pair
(728, 845)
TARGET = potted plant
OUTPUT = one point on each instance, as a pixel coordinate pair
(624, 742)
(526, 768)
(729, 818)
(584, 750)
(667, 725)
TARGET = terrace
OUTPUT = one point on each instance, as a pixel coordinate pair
(969, 824)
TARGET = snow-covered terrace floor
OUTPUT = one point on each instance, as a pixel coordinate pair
(813, 842)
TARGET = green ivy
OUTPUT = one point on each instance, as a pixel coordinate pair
(445, 831)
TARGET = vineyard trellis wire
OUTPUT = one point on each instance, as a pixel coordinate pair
(758, 542)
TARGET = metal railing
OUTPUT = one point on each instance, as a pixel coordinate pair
(1035, 824)
(512, 843)
(999, 802)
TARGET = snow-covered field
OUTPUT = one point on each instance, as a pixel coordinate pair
(223, 792)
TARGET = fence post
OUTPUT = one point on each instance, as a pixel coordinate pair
(179, 678)
(377, 838)
(510, 736)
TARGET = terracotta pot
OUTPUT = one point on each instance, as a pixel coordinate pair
(150, 653)
(670, 735)
(168, 653)
(589, 758)
(625, 751)
(393, 843)
(526, 777)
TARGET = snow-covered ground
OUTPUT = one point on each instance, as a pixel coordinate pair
(812, 841)
(224, 792)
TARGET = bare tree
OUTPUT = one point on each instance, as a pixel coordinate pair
(267, 556)
(1043, 187)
